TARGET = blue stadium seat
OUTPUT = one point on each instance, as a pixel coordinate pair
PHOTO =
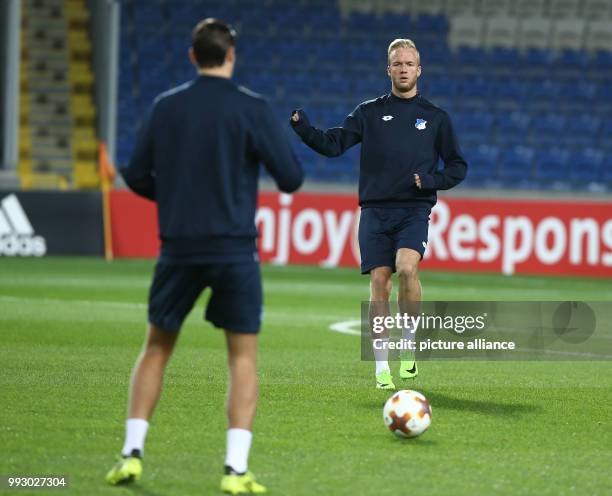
(482, 163)
(125, 144)
(476, 92)
(326, 23)
(183, 15)
(603, 59)
(544, 95)
(575, 59)
(346, 167)
(606, 171)
(263, 82)
(333, 86)
(605, 134)
(585, 165)
(293, 15)
(298, 83)
(602, 104)
(309, 158)
(370, 85)
(396, 21)
(547, 129)
(508, 93)
(511, 128)
(584, 92)
(551, 166)
(500, 58)
(430, 25)
(468, 56)
(328, 54)
(366, 55)
(148, 16)
(436, 53)
(473, 128)
(581, 130)
(290, 54)
(516, 166)
(177, 46)
(538, 57)
(442, 87)
(359, 22)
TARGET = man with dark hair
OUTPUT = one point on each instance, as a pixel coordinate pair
(197, 156)
(402, 136)
(211, 40)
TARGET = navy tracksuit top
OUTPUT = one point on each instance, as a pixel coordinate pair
(197, 156)
(399, 137)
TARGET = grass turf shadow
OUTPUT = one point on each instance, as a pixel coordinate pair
(445, 402)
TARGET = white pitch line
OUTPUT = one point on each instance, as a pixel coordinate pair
(140, 306)
(59, 301)
(346, 327)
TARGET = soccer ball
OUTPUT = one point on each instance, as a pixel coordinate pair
(407, 413)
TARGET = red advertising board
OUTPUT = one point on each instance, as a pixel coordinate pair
(133, 225)
(507, 236)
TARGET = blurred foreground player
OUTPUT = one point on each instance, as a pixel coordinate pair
(197, 156)
(402, 136)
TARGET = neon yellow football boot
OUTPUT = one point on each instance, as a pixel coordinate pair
(408, 369)
(384, 380)
(127, 469)
(241, 484)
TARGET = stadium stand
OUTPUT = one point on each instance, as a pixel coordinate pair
(57, 116)
(526, 81)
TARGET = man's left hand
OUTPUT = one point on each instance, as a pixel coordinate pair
(417, 181)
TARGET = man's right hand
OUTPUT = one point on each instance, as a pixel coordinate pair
(295, 117)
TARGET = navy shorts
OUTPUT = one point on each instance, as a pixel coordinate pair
(383, 231)
(235, 304)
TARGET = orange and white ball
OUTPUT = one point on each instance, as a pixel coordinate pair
(407, 413)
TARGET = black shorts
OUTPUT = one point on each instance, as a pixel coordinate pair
(236, 302)
(383, 231)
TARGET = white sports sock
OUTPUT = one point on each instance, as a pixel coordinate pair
(238, 446)
(135, 433)
(407, 337)
(381, 355)
(382, 365)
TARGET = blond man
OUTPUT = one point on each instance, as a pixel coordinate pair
(402, 136)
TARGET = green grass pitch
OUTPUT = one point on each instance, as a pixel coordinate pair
(71, 329)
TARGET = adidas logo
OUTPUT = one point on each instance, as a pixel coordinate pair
(17, 236)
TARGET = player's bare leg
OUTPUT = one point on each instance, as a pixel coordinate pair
(242, 394)
(380, 291)
(148, 374)
(145, 389)
(409, 301)
(241, 405)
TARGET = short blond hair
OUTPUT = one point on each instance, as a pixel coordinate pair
(403, 43)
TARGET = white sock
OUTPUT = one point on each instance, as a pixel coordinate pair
(238, 446)
(381, 355)
(407, 337)
(382, 365)
(135, 433)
